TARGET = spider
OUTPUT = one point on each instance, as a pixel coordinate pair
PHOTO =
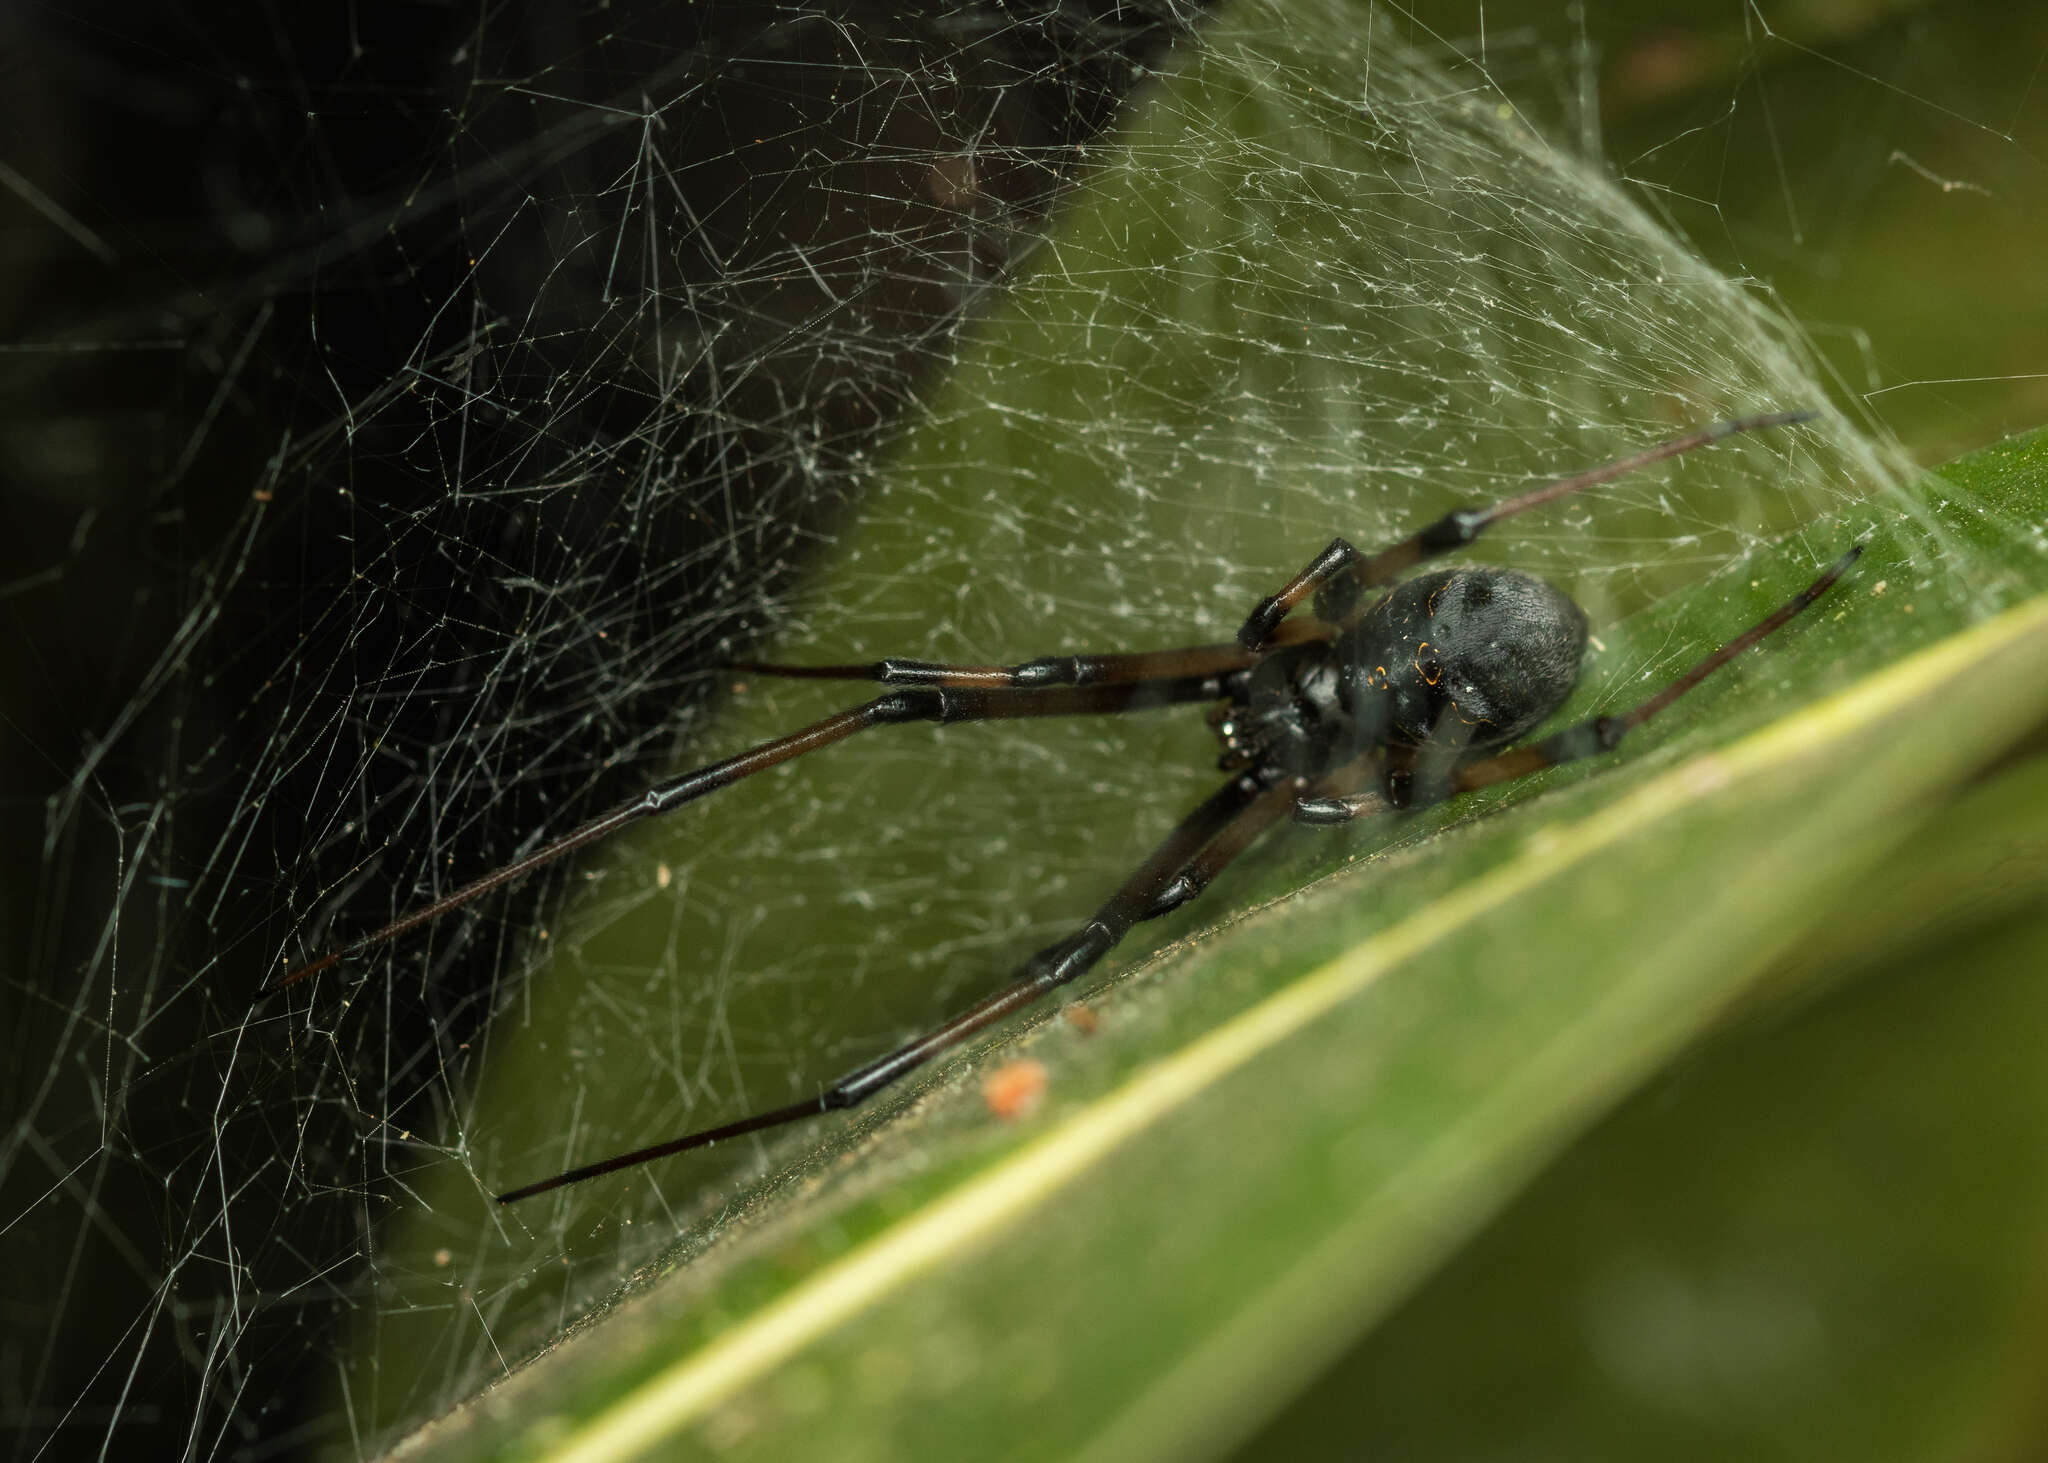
(1368, 705)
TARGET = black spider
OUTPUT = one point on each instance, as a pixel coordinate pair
(1398, 702)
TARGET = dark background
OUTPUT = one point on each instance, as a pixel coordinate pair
(256, 259)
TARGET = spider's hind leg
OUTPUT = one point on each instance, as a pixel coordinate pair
(1590, 737)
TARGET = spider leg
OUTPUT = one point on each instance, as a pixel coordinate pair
(922, 703)
(1345, 795)
(1594, 735)
(1337, 575)
(1285, 798)
(1234, 815)
(1049, 670)
(1199, 871)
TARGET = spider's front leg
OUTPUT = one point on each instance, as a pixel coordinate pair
(1330, 576)
(1116, 668)
(939, 702)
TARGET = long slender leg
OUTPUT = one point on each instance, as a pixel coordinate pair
(1272, 807)
(1604, 733)
(1244, 799)
(924, 703)
(1049, 670)
(1339, 572)
(1594, 735)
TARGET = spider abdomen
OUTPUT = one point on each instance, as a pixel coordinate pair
(1472, 657)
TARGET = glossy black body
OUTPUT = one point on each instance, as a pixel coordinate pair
(1442, 666)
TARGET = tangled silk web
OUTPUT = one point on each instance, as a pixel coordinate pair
(689, 324)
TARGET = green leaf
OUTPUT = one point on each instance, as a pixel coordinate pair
(1277, 309)
(1218, 1198)
(1816, 1237)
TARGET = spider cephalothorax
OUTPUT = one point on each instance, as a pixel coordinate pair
(1286, 713)
(1399, 699)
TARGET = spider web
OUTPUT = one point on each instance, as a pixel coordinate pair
(498, 381)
